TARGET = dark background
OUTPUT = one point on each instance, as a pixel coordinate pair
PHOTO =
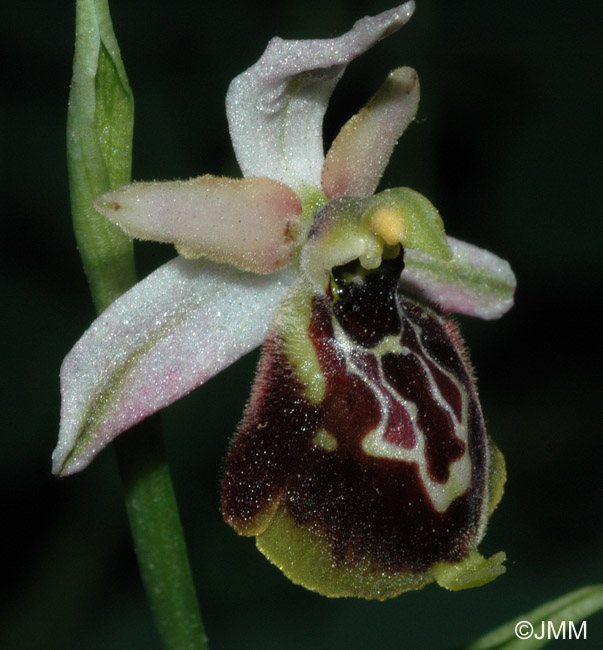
(507, 145)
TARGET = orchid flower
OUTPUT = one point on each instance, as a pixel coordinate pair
(362, 464)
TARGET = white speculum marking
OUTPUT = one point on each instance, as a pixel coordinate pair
(375, 443)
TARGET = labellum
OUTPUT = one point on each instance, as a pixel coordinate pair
(362, 464)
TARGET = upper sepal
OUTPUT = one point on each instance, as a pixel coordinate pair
(167, 335)
(275, 109)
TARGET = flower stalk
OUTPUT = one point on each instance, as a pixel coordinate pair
(99, 155)
(158, 537)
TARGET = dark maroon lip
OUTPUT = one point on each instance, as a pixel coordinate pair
(366, 507)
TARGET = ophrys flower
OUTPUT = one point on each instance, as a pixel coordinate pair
(362, 464)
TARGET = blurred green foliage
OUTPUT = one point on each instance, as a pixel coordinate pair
(507, 145)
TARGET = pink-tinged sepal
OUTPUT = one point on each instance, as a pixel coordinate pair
(170, 333)
(362, 462)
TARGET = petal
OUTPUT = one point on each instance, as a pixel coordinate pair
(474, 282)
(248, 222)
(169, 334)
(359, 154)
(275, 109)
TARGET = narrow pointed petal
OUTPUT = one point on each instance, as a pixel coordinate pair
(474, 282)
(170, 333)
(247, 222)
(275, 109)
(359, 154)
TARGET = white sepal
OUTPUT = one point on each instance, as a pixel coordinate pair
(275, 109)
(170, 333)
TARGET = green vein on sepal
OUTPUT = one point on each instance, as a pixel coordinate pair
(95, 414)
(466, 275)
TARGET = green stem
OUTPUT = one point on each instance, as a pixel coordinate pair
(158, 537)
(99, 154)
